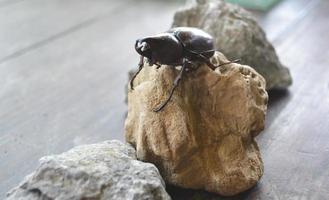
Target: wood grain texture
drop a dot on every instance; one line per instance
(66, 86)
(63, 69)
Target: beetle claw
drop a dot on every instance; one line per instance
(131, 85)
(158, 109)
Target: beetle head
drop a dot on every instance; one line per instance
(143, 48)
(162, 48)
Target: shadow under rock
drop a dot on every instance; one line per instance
(277, 96)
(178, 193)
(278, 100)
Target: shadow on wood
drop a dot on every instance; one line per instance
(178, 193)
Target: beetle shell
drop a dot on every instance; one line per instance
(195, 40)
(175, 45)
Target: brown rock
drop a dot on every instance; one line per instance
(204, 137)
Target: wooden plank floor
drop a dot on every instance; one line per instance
(63, 69)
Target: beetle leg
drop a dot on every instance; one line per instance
(158, 65)
(212, 66)
(140, 67)
(152, 61)
(176, 82)
(206, 60)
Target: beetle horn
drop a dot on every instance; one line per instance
(144, 46)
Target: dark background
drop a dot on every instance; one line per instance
(63, 70)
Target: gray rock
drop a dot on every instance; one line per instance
(237, 35)
(107, 170)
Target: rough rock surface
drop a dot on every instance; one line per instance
(204, 137)
(237, 35)
(107, 170)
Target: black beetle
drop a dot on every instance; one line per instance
(181, 46)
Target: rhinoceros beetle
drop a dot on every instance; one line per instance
(181, 46)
